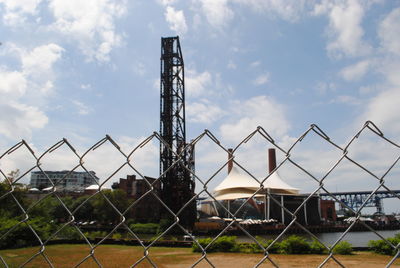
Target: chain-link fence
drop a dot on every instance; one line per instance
(54, 214)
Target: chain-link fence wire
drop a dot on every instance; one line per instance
(24, 218)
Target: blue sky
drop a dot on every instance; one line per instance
(83, 69)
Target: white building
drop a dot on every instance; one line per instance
(70, 181)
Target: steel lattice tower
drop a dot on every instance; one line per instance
(177, 182)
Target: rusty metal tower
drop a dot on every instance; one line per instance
(177, 182)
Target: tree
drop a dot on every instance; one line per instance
(103, 211)
(13, 175)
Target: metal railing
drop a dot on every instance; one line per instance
(10, 193)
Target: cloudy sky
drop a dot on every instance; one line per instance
(84, 69)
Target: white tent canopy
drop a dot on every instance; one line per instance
(92, 187)
(238, 194)
(241, 185)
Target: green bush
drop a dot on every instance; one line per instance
(382, 247)
(221, 244)
(225, 244)
(316, 247)
(69, 232)
(145, 228)
(21, 235)
(343, 248)
(274, 248)
(295, 245)
(249, 248)
(96, 234)
(117, 236)
(203, 243)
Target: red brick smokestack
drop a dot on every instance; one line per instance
(230, 161)
(271, 159)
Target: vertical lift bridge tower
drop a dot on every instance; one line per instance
(175, 158)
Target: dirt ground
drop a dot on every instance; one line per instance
(126, 256)
(360, 259)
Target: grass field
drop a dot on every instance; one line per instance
(125, 256)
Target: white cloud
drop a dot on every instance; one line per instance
(197, 83)
(86, 86)
(33, 82)
(203, 112)
(324, 87)
(139, 68)
(389, 32)
(17, 11)
(255, 63)
(383, 110)
(12, 84)
(176, 20)
(346, 99)
(21, 119)
(91, 23)
(47, 88)
(217, 12)
(356, 71)
(345, 30)
(261, 79)
(104, 160)
(40, 60)
(257, 111)
(167, 2)
(83, 109)
(367, 89)
(285, 9)
(389, 68)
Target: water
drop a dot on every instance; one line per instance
(357, 239)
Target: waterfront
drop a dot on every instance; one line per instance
(357, 239)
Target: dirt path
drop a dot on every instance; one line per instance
(360, 259)
(64, 256)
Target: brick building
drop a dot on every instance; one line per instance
(328, 211)
(147, 209)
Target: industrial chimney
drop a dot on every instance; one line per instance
(230, 160)
(271, 159)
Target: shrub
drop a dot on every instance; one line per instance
(382, 247)
(69, 232)
(295, 245)
(96, 234)
(249, 248)
(225, 244)
(117, 236)
(316, 247)
(274, 248)
(145, 228)
(221, 244)
(21, 235)
(203, 243)
(343, 248)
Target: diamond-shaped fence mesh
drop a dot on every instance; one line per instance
(131, 225)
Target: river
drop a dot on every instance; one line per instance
(357, 239)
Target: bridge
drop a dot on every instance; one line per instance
(356, 199)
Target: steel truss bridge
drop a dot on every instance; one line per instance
(354, 200)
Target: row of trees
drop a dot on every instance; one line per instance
(84, 208)
(22, 218)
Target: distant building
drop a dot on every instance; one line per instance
(65, 180)
(328, 211)
(148, 208)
